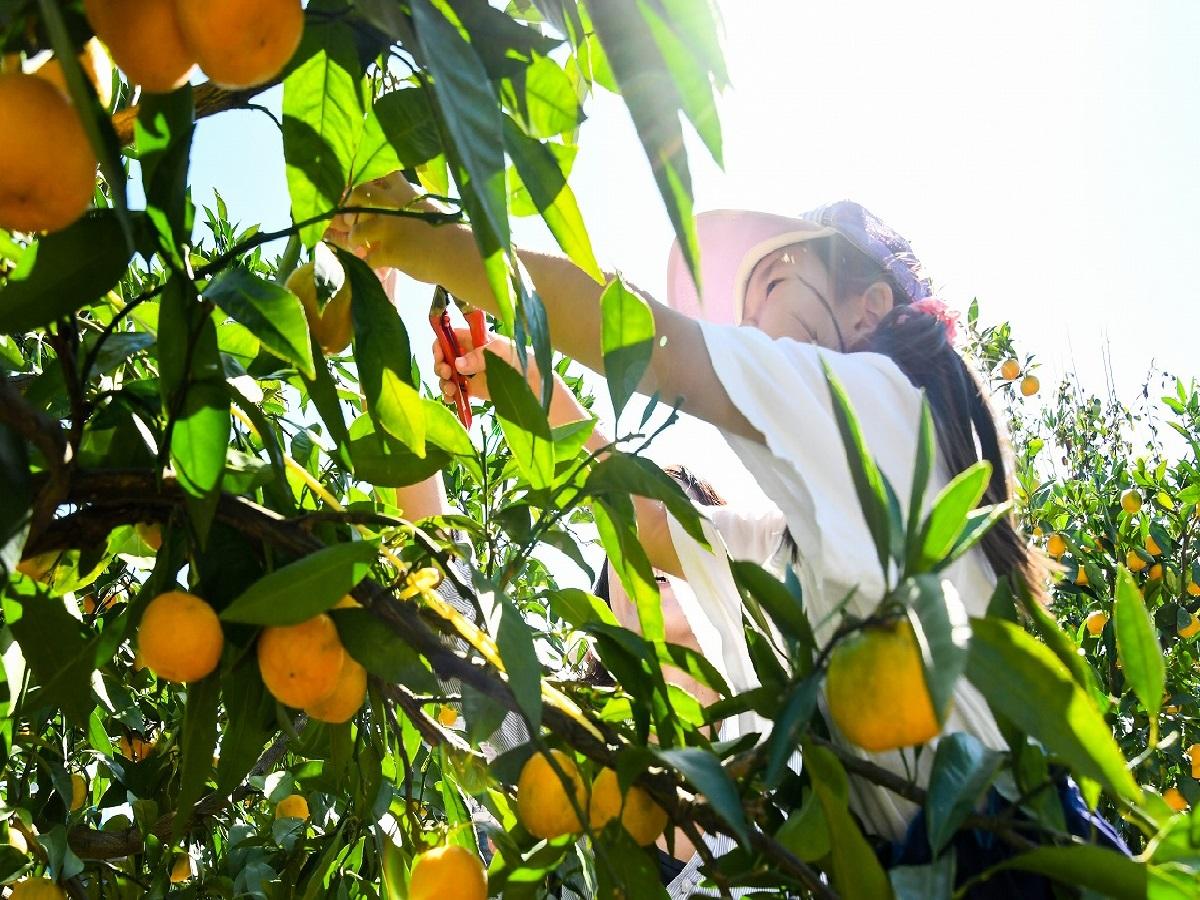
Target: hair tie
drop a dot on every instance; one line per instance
(932, 306)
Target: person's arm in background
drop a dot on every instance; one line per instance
(652, 525)
(423, 499)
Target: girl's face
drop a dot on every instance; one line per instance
(790, 295)
(675, 623)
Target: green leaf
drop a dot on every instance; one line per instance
(1024, 681)
(868, 480)
(57, 653)
(514, 640)
(921, 470)
(622, 474)
(64, 272)
(939, 622)
(703, 769)
(322, 390)
(523, 421)
(409, 126)
(1110, 873)
(381, 652)
(963, 768)
(384, 359)
(272, 313)
(949, 516)
(617, 527)
(785, 609)
(551, 105)
(654, 105)
(626, 340)
(554, 199)
(979, 523)
(854, 868)
(199, 742)
(797, 710)
(805, 833)
(464, 98)
(250, 724)
(1138, 647)
(322, 122)
(302, 589)
(163, 137)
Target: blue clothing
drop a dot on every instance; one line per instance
(978, 851)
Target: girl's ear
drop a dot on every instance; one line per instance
(876, 302)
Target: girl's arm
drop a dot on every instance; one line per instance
(424, 499)
(447, 255)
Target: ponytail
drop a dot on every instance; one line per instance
(962, 418)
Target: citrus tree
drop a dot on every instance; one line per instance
(232, 666)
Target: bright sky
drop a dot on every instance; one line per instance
(1040, 156)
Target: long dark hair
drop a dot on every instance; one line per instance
(966, 429)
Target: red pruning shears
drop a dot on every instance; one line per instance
(439, 319)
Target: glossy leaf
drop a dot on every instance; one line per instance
(272, 313)
(624, 474)
(626, 340)
(1106, 871)
(940, 625)
(514, 640)
(523, 420)
(299, 590)
(384, 359)
(64, 272)
(616, 524)
(322, 123)
(1138, 645)
(854, 868)
(963, 768)
(1024, 681)
(949, 515)
(407, 122)
(199, 742)
(703, 770)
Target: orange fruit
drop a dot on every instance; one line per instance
(1152, 546)
(543, 806)
(300, 663)
(1081, 578)
(1174, 799)
(1156, 572)
(1131, 502)
(447, 715)
(37, 889)
(181, 869)
(1096, 621)
(640, 815)
(347, 697)
(446, 872)
(1193, 753)
(1134, 561)
(96, 66)
(875, 689)
(347, 602)
(1056, 546)
(79, 791)
(293, 806)
(241, 43)
(332, 325)
(90, 605)
(180, 637)
(1191, 628)
(1010, 369)
(1030, 385)
(1193, 588)
(145, 40)
(47, 167)
(134, 749)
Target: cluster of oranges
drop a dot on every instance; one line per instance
(47, 164)
(304, 665)
(1010, 370)
(547, 811)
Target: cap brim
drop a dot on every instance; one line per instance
(731, 243)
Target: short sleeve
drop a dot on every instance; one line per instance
(801, 464)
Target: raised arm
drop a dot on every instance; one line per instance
(447, 255)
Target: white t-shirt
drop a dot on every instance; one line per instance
(780, 388)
